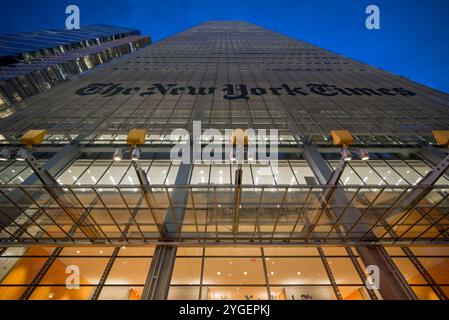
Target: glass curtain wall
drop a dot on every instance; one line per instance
(215, 273)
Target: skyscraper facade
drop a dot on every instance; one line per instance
(32, 62)
(354, 205)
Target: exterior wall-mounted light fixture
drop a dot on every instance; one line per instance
(344, 138)
(30, 138)
(441, 137)
(135, 137)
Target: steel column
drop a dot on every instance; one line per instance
(159, 276)
(392, 284)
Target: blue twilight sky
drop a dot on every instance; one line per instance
(413, 40)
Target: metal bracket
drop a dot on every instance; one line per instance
(238, 196)
(422, 189)
(52, 187)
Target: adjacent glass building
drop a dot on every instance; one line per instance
(178, 230)
(32, 62)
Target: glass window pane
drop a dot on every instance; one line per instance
(130, 177)
(394, 251)
(303, 293)
(183, 251)
(367, 174)
(200, 174)
(262, 174)
(303, 173)
(115, 173)
(171, 177)
(406, 172)
(187, 271)
(86, 251)
(354, 293)
(247, 177)
(158, 172)
(334, 251)
(425, 293)
(283, 174)
(296, 271)
(90, 269)
(408, 270)
(19, 270)
(129, 271)
(430, 251)
(220, 174)
(387, 173)
(62, 293)
(21, 176)
(121, 293)
(233, 271)
(94, 173)
(184, 293)
(72, 174)
(12, 171)
(136, 251)
(438, 268)
(235, 293)
(229, 251)
(290, 251)
(344, 271)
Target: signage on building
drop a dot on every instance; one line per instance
(240, 91)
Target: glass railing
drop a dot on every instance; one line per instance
(228, 213)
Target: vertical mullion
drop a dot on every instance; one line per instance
(330, 274)
(360, 272)
(265, 272)
(202, 273)
(105, 274)
(422, 270)
(40, 275)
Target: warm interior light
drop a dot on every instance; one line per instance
(4, 155)
(22, 154)
(118, 155)
(346, 154)
(135, 155)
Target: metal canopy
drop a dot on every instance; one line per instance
(284, 214)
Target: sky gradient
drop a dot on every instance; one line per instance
(413, 40)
